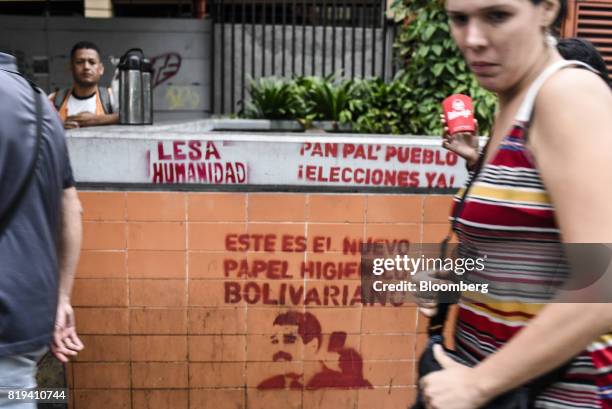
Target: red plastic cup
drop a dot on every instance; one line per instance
(459, 114)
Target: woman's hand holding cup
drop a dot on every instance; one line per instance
(464, 144)
(460, 128)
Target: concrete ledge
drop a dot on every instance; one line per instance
(192, 154)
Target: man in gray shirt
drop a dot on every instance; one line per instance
(39, 239)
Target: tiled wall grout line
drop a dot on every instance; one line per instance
(247, 203)
(129, 304)
(364, 237)
(305, 281)
(187, 221)
(422, 221)
(419, 316)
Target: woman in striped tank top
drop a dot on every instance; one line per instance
(545, 179)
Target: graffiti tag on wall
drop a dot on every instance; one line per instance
(408, 165)
(275, 281)
(193, 162)
(182, 97)
(303, 164)
(284, 283)
(165, 66)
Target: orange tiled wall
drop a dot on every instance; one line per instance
(160, 332)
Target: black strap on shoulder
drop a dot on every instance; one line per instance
(105, 100)
(436, 323)
(16, 202)
(60, 97)
(62, 94)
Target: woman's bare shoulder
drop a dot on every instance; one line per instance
(577, 87)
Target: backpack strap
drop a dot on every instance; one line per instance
(60, 97)
(6, 218)
(105, 100)
(62, 94)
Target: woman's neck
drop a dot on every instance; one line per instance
(508, 97)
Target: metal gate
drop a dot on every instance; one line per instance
(286, 38)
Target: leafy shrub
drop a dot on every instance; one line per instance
(272, 98)
(304, 98)
(370, 105)
(325, 99)
(434, 67)
(387, 107)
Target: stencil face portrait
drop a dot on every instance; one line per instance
(293, 332)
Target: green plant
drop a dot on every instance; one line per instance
(370, 105)
(434, 67)
(327, 100)
(272, 98)
(387, 107)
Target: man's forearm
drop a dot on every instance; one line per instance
(107, 119)
(558, 333)
(70, 241)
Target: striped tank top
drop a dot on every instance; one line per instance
(508, 216)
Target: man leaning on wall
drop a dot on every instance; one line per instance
(40, 235)
(86, 103)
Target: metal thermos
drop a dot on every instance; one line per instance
(147, 92)
(130, 88)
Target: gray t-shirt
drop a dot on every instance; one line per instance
(28, 245)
